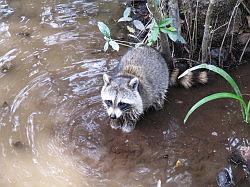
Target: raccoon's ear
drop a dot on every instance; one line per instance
(133, 84)
(106, 79)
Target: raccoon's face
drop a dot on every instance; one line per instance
(120, 96)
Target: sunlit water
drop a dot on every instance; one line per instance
(53, 129)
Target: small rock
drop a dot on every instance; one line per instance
(24, 34)
(6, 67)
(214, 133)
(225, 177)
(18, 144)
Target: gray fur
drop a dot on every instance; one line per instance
(141, 80)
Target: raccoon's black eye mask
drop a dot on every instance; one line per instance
(108, 103)
(124, 106)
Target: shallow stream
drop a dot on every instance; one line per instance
(54, 130)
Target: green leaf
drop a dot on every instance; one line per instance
(172, 35)
(222, 73)
(164, 30)
(149, 43)
(106, 46)
(165, 22)
(158, 3)
(172, 29)
(127, 12)
(181, 39)
(114, 45)
(152, 24)
(218, 70)
(125, 19)
(139, 25)
(247, 113)
(153, 35)
(104, 29)
(221, 95)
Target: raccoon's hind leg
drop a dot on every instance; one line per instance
(116, 123)
(128, 126)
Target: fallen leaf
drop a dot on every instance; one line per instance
(130, 29)
(178, 164)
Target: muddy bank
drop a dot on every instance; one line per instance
(161, 139)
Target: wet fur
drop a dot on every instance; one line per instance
(191, 79)
(147, 65)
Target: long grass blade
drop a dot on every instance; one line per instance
(221, 95)
(222, 73)
(215, 69)
(247, 113)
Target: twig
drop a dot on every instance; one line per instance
(195, 26)
(206, 35)
(188, 29)
(212, 36)
(243, 52)
(245, 6)
(187, 59)
(123, 41)
(213, 31)
(232, 33)
(124, 44)
(228, 26)
(193, 38)
(149, 9)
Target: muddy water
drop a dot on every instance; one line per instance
(54, 131)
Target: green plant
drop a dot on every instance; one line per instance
(107, 36)
(245, 106)
(153, 28)
(126, 15)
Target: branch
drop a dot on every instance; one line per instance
(228, 26)
(206, 34)
(174, 14)
(243, 52)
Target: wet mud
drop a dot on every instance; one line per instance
(54, 130)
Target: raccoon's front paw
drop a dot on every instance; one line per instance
(115, 124)
(128, 127)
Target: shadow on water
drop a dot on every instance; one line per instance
(54, 131)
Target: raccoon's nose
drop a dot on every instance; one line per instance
(113, 116)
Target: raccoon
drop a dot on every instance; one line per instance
(140, 81)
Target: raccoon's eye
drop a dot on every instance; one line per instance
(124, 106)
(108, 103)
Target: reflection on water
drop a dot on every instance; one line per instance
(54, 77)
(53, 129)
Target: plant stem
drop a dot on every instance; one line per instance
(206, 35)
(174, 14)
(121, 41)
(243, 52)
(124, 44)
(228, 27)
